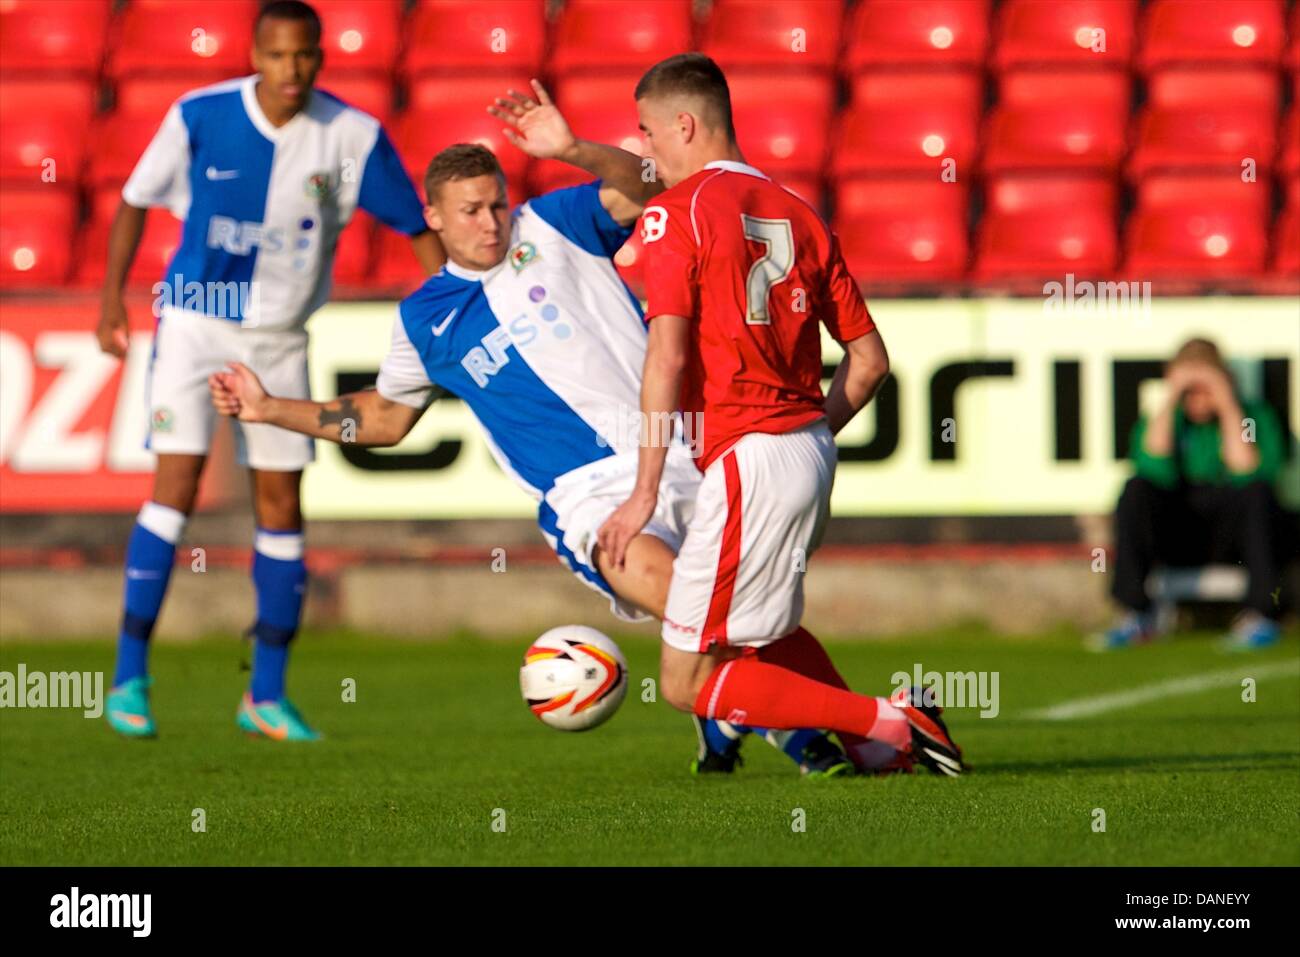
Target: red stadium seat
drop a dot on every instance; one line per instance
(601, 109)
(1198, 227)
(54, 38)
(43, 129)
(1291, 58)
(446, 110)
(1048, 225)
(1074, 33)
(453, 36)
(917, 33)
(597, 35)
(909, 121)
(352, 255)
(1251, 88)
(897, 230)
(1058, 119)
(205, 40)
(1288, 157)
(120, 141)
(547, 175)
(162, 234)
(1210, 31)
(36, 228)
(782, 121)
(1206, 118)
(1286, 237)
(151, 95)
(395, 265)
(802, 34)
(367, 92)
(360, 34)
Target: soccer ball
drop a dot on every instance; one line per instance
(573, 678)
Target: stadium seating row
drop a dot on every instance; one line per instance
(896, 121)
(451, 36)
(894, 231)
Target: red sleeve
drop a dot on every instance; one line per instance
(671, 265)
(843, 310)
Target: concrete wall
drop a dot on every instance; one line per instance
(846, 596)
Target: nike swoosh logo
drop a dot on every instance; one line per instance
(437, 330)
(215, 174)
(134, 573)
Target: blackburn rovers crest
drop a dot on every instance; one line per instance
(522, 255)
(317, 186)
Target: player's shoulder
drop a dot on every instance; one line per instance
(218, 101)
(327, 107)
(223, 88)
(682, 195)
(442, 291)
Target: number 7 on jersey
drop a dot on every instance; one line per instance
(771, 268)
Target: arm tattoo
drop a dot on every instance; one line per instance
(346, 411)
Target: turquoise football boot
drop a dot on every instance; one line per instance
(277, 720)
(1251, 632)
(128, 709)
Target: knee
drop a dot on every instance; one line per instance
(278, 508)
(680, 689)
(677, 692)
(178, 491)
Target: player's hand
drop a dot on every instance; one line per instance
(536, 126)
(237, 391)
(112, 329)
(624, 525)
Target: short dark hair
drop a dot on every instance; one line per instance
(461, 161)
(692, 74)
(290, 10)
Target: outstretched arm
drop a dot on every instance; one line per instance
(359, 418)
(538, 128)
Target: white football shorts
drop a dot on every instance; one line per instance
(760, 514)
(580, 501)
(187, 348)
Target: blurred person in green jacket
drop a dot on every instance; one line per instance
(1202, 493)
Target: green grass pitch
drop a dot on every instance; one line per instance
(415, 770)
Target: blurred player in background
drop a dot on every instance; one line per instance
(739, 274)
(265, 172)
(1202, 493)
(530, 324)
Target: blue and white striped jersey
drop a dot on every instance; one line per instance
(546, 348)
(263, 206)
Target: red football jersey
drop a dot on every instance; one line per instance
(755, 269)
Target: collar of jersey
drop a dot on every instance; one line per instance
(473, 275)
(248, 93)
(731, 166)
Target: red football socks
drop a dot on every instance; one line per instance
(802, 653)
(750, 690)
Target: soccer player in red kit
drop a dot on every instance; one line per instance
(739, 274)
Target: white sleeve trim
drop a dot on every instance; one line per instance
(402, 377)
(161, 176)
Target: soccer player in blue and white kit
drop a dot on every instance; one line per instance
(529, 323)
(265, 171)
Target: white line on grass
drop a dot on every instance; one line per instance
(1100, 704)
